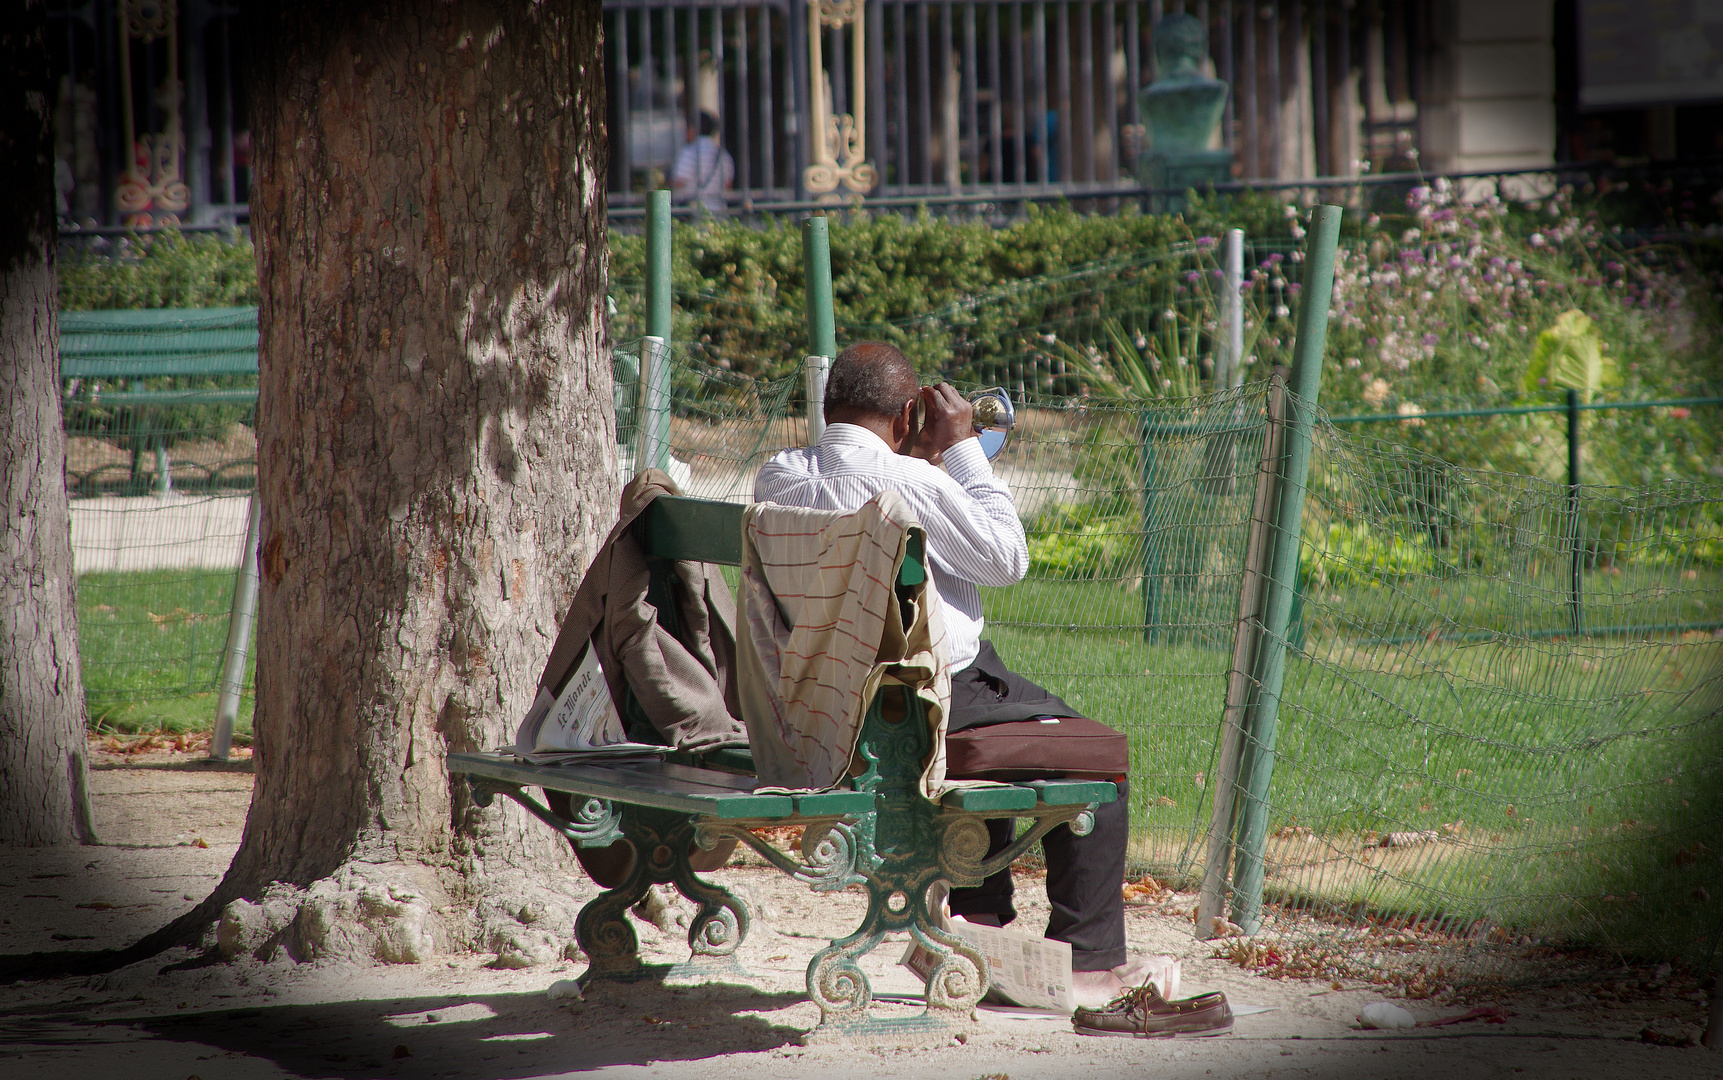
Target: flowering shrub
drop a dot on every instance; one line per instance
(1451, 305)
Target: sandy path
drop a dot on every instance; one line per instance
(177, 1016)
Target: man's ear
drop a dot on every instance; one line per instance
(903, 426)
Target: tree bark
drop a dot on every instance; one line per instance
(435, 434)
(44, 791)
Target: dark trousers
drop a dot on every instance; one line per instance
(1085, 880)
(1085, 874)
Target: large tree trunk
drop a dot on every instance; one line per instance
(44, 794)
(435, 445)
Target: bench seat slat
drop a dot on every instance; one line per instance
(1071, 792)
(991, 798)
(826, 803)
(720, 782)
(634, 785)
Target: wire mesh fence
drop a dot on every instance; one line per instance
(161, 462)
(1463, 778)
(1463, 773)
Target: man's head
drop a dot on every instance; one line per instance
(869, 381)
(708, 123)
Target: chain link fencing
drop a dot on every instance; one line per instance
(1462, 776)
(160, 466)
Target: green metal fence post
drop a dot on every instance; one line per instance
(239, 622)
(658, 264)
(1262, 716)
(822, 327)
(817, 275)
(1576, 527)
(652, 445)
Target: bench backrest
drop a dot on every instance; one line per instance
(158, 342)
(678, 527)
(705, 530)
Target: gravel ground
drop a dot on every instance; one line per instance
(178, 1016)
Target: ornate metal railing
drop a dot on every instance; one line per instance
(822, 100)
(816, 99)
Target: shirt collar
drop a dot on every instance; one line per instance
(856, 436)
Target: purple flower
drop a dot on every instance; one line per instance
(1206, 242)
(1429, 339)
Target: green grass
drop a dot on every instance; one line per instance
(151, 644)
(1578, 782)
(1535, 601)
(1570, 779)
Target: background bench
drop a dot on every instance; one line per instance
(880, 833)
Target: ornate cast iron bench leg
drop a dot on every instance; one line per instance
(660, 840)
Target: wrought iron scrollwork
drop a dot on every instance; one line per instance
(839, 143)
(597, 823)
(830, 847)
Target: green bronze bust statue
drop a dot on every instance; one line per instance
(1181, 110)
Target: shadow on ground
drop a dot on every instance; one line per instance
(494, 1036)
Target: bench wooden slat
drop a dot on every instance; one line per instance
(141, 344)
(1071, 792)
(987, 799)
(679, 527)
(826, 803)
(676, 527)
(639, 785)
(723, 783)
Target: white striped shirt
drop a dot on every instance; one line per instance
(973, 535)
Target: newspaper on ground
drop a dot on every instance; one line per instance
(580, 725)
(1023, 968)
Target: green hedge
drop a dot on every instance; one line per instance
(169, 270)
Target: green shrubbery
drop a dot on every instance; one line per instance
(167, 270)
(1439, 304)
(1084, 542)
(956, 296)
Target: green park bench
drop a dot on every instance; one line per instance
(879, 832)
(125, 346)
(106, 358)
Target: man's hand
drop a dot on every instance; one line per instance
(948, 421)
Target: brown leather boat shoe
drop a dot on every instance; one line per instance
(1145, 1014)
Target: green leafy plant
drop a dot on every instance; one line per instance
(1127, 369)
(1355, 554)
(1084, 542)
(1570, 355)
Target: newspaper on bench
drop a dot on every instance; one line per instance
(579, 725)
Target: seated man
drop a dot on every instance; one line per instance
(973, 538)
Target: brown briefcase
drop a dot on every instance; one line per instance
(1071, 747)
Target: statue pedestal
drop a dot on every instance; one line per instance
(1181, 170)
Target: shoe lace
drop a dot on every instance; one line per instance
(1136, 995)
